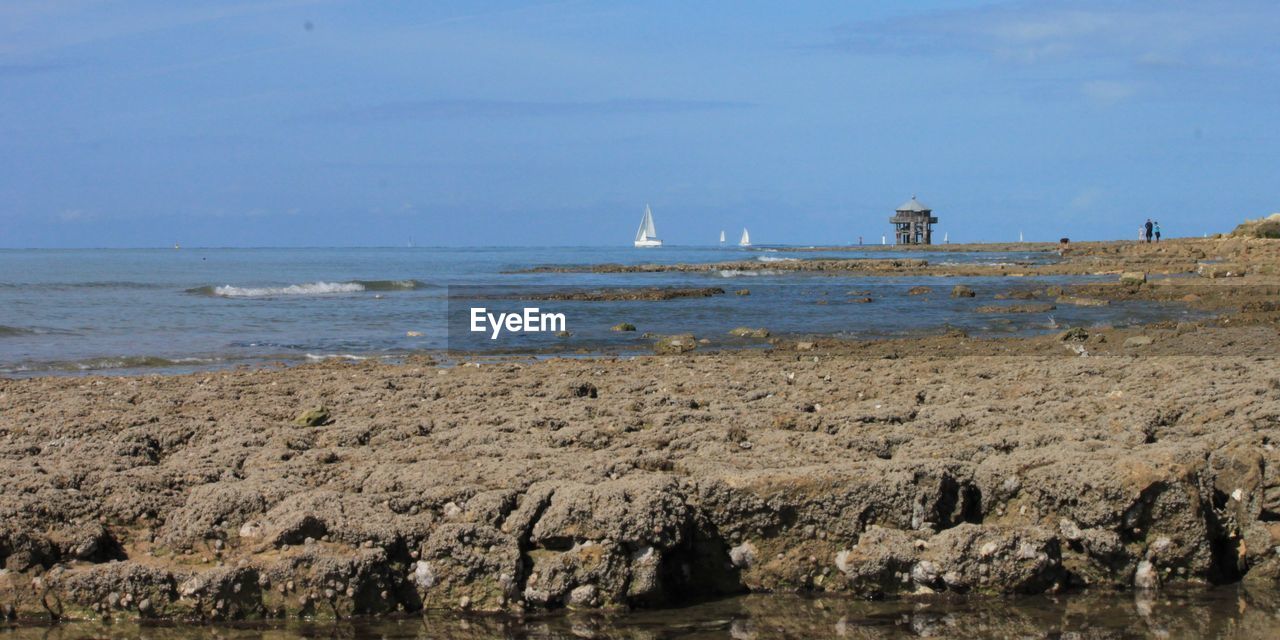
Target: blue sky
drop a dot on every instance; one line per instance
(285, 123)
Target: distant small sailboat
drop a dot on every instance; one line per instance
(745, 241)
(946, 238)
(1020, 236)
(177, 246)
(647, 235)
(722, 236)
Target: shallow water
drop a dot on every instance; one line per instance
(1224, 612)
(177, 310)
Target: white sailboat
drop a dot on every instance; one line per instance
(647, 235)
(722, 236)
(746, 238)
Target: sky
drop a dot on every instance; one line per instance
(335, 123)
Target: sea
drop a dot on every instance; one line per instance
(1219, 612)
(177, 310)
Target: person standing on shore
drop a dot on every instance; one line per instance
(1157, 229)
(1147, 228)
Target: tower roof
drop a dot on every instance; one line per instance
(914, 206)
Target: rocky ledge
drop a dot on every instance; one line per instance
(603, 483)
(627, 294)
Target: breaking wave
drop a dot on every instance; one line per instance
(775, 259)
(321, 357)
(734, 273)
(99, 364)
(307, 289)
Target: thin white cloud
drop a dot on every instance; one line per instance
(1087, 198)
(1108, 92)
(75, 215)
(484, 108)
(1208, 33)
(1101, 52)
(17, 69)
(34, 28)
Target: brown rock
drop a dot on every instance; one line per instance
(669, 345)
(1083, 302)
(1220, 270)
(312, 417)
(1016, 308)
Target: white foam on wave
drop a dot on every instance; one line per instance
(320, 357)
(105, 363)
(309, 289)
(734, 273)
(775, 259)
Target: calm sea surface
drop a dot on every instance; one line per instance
(1224, 612)
(67, 311)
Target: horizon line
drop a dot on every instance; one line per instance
(594, 246)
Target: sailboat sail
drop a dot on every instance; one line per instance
(647, 234)
(722, 236)
(746, 238)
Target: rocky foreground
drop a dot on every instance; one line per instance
(601, 483)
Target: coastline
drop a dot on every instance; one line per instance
(639, 321)
(896, 468)
(1169, 257)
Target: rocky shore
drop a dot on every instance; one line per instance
(932, 465)
(589, 483)
(648, 294)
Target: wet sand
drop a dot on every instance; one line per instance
(1095, 461)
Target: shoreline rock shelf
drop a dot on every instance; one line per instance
(1129, 262)
(627, 294)
(494, 489)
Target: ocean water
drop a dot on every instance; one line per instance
(69, 311)
(1222, 612)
